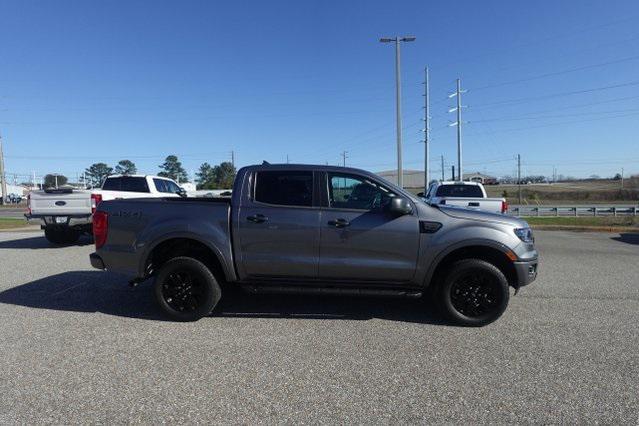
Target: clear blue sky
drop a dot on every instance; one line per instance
(89, 81)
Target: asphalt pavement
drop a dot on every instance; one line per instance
(78, 345)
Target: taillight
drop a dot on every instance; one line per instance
(96, 199)
(100, 228)
(504, 206)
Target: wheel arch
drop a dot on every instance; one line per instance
(188, 245)
(489, 251)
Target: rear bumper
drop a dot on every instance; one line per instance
(96, 261)
(526, 271)
(70, 220)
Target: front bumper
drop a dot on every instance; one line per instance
(526, 271)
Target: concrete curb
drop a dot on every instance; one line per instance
(32, 228)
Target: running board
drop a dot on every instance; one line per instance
(345, 291)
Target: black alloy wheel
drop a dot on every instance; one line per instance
(474, 292)
(186, 290)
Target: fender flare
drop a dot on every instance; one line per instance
(148, 249)
(477, 242)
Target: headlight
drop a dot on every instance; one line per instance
(525, 234)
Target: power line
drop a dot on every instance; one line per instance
(538, 41)
(560, 94)
(625, 98)
(541, 117)
(562, 123)
(552, 74)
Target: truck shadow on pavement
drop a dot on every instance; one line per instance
(95, 291)
(40, 242)
(627, 238)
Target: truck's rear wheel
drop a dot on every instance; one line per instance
(61, 235)
(186, 290)
(474, 292)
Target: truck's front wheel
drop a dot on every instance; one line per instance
(474, 292)
(186, 290)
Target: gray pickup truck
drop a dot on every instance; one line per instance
(315, 230)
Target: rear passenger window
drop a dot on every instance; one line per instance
(462, 191)
(126, 184)
(286, 188)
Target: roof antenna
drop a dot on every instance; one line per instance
(266, 163)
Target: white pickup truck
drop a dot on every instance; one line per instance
(471, 195)
(65, 213)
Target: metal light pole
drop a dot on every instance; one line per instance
(426, 130)
(398, 101)
(3, 178)
(460, 171)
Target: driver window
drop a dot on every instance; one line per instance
(354, 192)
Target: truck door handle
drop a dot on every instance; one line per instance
(339, 223)
(474, 204)
(258, 218)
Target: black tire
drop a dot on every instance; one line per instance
(61, 235)
(186, 290)
(474, 293)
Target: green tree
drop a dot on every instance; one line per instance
(224, 175)
(50, 180)
(205, 177)
(172, 168)
(97, 172)
(126, 167)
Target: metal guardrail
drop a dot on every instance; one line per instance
(575, 211)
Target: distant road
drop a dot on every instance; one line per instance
(12, 212)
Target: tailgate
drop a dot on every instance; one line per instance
(76, 203)
(486, 204)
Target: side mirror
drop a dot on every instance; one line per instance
(181, 192)
(399, 206)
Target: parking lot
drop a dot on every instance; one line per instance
(79, 345)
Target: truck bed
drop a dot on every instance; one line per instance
(137, 225)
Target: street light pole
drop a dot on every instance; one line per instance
(398, 101)
(398, 112)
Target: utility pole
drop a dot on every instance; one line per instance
(622, 178)
(286, 158)
(398, 102)
(443, 168)
(344, 156)
(519, 177)
(452, 171)
(233, 158)
(426, 132)
(56, 181)
(458, 124)
(3, 177)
